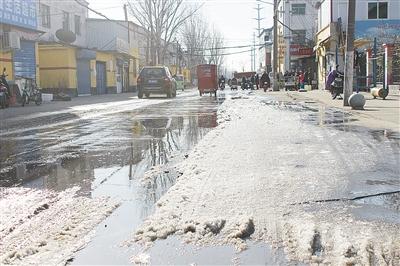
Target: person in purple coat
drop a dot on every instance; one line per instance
(331, 77)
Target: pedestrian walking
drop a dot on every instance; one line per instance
(265, 81)
(257, 80)
(301, 80)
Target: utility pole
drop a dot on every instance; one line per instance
(275, 52)
(349, 59)
(259, 18)
(254, 51)
(251, 58)
(126, 19)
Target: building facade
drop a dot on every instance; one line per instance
(117, 46)
(377, 23)
(18, 35)
(63, 55)
(296, 31)
(265, 50)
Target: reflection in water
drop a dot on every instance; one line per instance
(63, 156)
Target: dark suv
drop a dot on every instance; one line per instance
(156, 79)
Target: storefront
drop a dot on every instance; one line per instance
(18, 35)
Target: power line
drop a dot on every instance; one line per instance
(233, 53)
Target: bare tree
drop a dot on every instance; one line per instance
(162, 19)
(195, 39)
(215, 44)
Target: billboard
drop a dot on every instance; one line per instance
(21, 13)
(300, 50)
(385, 30)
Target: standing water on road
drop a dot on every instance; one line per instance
(106, 156)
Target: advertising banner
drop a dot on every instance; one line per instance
(21, 13)
(385, 30)
(299, 50)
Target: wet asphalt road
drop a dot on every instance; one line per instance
(103, 148)
(57, 150)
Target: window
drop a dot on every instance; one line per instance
(377, 10)
(65, 23)
(45, 15)
(383, 10)
(298, 9)
(299, 36)
(77, 25)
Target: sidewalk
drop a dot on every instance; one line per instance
(378, 113)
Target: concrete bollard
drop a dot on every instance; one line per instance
(357, 101)
(379, 92)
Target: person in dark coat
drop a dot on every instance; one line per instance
(243, 85)
(265, 78)
(257, 80)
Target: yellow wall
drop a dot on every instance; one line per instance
(186, 74)
(134, 67)
(93, 73)
(172, 69)
(6, 61)
(110, 61)
(133, 72)
(57, 67)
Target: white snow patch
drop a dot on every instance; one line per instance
(242, 180)
(44, 227)
(141, 259)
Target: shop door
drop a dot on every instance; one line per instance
(24, 60)
(126, 79)
(101, 77)
(83, 76)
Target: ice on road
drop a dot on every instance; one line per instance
(257, 176)
(41, 227)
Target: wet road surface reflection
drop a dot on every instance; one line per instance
(74, 154)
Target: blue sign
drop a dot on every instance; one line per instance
(21, 13)
(385, 30)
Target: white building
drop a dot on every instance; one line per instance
(378, 19)
(265, 50)
(296, 31)
(63, 15)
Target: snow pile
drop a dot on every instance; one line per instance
(245, 180)
(44, 227)
(141, 259)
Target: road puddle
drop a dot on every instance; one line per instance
(320, 115)
(63, 156)
(173, 252)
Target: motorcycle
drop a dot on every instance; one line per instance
(251, 85)
(4, 91)
(265, 86)
(243, 85)
(222, 85)
(337, 86)
(234, 84)
(30, 92)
